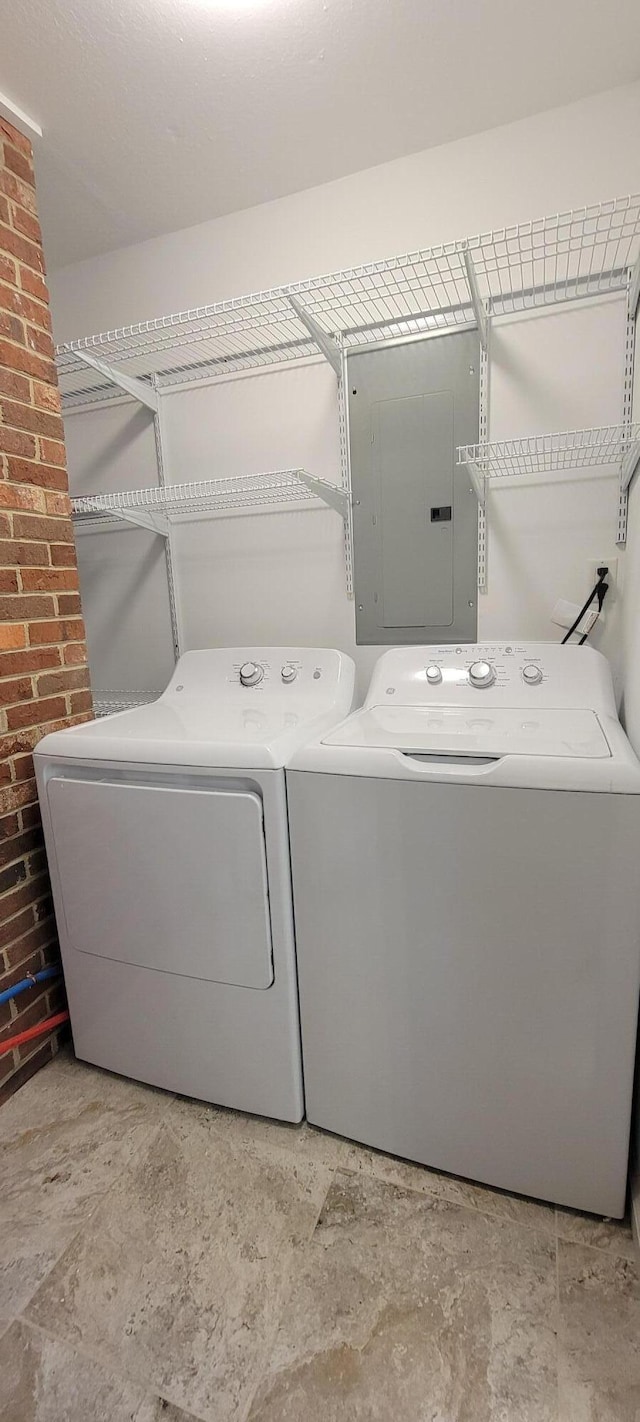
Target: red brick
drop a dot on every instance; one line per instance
(28, 1010)
(18, 191)
(16, 441)
(75, 655)
(8, 580)
(57, 504)
(26, 223)
(14, 136)
(13, 497)
(67, 679)
(80, 701)
(63, 555)
(20, 609)
(5, 526)
(32, 660)
(49, 530)
(22, 766)
(14, 797)
(36, 713)
(36, 285)
(45, 476)
(30, 964)
(24, 306)
(9, 826)
(18, 689)
(30, 815)
(17, 162)
(15, 926)
(27, 253)
(38, 933)
(50, 580)
(18, 358)
(57, 996)
(16, 386)
(27, 417)
(12, 635)
(5, 214)
(34, 555)
(69, 604)
(11, 876)
(37, 863)
(53, 452)
(12, 328)
(8, 269)
(47, 397)
(58, 630)
(19, 742)
(40, 341)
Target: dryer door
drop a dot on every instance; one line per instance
(166, 878)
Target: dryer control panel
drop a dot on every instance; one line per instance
(514, 674)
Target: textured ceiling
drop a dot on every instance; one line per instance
(158, 114)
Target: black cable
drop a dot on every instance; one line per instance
(601, 593)
(598, 592)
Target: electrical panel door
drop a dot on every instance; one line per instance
(415, 514)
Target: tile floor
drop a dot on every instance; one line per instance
(163, 1261)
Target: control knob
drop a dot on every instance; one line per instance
(482, 674)
(288, 673)
(532, 674)
(434, 675)
(251, 674)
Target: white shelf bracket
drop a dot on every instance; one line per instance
(476, 299)
(335, 497)
(138, 389)
(634, 290)
(479, 483)
(330, 348)
(629, 466)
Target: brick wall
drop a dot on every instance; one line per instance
(44, 682)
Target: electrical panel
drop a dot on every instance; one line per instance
(415, 516)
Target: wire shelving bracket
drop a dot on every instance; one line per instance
(584, 252)
(538, 455)
(156, 507)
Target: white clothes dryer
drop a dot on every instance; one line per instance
(467, 901)
(167, 838)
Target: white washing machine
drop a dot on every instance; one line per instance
(467, 900)
(167, 838)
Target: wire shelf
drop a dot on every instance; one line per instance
(550, 453)
(107, 703)
(584, 252)
(241, 492)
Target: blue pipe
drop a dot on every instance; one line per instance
(41, 977)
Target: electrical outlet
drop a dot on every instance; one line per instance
(612, 576)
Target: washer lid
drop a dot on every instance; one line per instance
(465, 731)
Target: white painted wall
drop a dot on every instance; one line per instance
(279, 578)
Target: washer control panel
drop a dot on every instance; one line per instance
(512, 674)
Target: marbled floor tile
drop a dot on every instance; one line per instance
(612, 1235)
(64, 1138)
(599, 1336)
(177, 1275)
(43, 1380)
(405, 1308)
(258, 1134)
(457, 1191)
